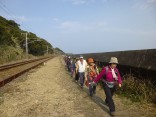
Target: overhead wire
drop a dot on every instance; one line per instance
(12, 15)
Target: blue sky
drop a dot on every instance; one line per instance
(86, 26)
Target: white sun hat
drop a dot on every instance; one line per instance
(81, 57)
(114, 60)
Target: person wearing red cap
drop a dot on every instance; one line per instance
(92, 72)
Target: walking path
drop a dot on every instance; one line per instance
(49, 91)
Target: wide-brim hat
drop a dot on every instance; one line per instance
(90, 60)
(114, 60)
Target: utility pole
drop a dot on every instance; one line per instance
(26, 43)
(54, 51)
(47, 49)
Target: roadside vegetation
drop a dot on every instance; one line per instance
(13, 39)
(138, 90)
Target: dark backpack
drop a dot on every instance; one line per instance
(104, 77)
(109, 84)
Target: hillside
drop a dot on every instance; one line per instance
(13, 42)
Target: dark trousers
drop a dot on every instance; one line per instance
(77, 76)
(109, 94)
(82, 78)
(92, 88)
(68, 66)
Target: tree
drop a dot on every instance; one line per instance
(11, 35)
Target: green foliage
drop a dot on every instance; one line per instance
(8, 32)
(10, 53)
(13, 40)
(58, 51)
(12, 35)
(138, 90)
(5, 37)
(13, 23)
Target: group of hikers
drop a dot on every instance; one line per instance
(86, 72)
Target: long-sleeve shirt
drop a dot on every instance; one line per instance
(92, 70)
(109, 76)
(81, 67)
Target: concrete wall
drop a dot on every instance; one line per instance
(145, 59)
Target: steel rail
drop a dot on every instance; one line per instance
(8, 66)
(17, 74)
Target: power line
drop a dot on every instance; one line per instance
(5, 9)
(11, 14)
(8, 13)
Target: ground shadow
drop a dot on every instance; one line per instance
(96, 99)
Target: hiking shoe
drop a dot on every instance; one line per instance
(94, 92)
(112, 114)
(91, 95)
(106, 103)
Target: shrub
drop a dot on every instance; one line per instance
(138, 89)
(9, 53)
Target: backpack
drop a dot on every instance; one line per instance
(92, 71)
(109, 84)
(104, 77)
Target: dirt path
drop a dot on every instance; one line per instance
(49, 91)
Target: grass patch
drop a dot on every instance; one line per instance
(138, 90)
(10, 54)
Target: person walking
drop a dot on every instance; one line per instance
(69, 63)
(92, 72)
(76, 73)
(81, 66)
(111, 79)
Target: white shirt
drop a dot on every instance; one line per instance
(81, 66)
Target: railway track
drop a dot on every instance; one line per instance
(11, 71)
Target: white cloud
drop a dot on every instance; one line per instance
(77, 2)
(101, 24)
(70, 27)
(80, 2)
(56, 19)
(18, 19)
(151, 1)
(145, 5)
(22, 18)
(130, 31)
(67, 25)
(104, 0)
(77, 27)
